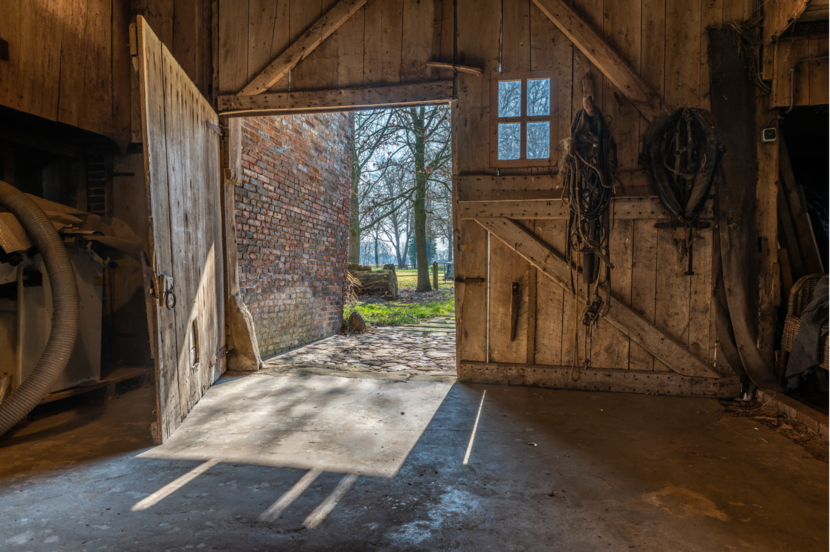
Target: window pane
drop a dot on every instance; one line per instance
(538, 97)
(510, 98)
(538, 140)
(510, 140)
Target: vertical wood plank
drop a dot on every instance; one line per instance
(653, 45)
(623, 32)
(550, 50)
(268, 33)
(73, 54)
(819, 74)
(417, 39)
(372, 44)
(478, 46)
(391, 41)
(165, 344)
(643, 286)
(700, 301)
(233, 31)
(766, 218)
(672, 304)
(516, 36)
(122, 73)
(187, 28)
(506, 268)
(532, 304)
(610, 347)
(550, 299)
(711, 16)
(682, 53)
(592, 12)
(471, 330)
(350, 39)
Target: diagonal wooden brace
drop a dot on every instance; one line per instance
(551, 264)
(604, 57)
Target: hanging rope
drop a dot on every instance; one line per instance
(591, 159)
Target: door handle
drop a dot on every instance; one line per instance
(166, 294)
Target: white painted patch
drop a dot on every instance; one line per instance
(22, 538)
(454, 503)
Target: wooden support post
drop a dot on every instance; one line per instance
(434, 275)
(767, 227)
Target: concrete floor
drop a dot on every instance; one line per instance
(327, 463)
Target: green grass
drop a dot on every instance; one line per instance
(387, 314)
(396, 314)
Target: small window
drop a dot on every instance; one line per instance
(521, 120)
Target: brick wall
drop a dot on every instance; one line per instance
(292, 214)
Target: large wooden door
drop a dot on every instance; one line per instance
(184, 273)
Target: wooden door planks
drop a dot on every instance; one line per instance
(506, 269)
(471, 330)
(182, 167)
(670, 350)
(643, 287)
(550, 306)
(609, 346)
(151, 73)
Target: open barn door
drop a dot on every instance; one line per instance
(183, 277)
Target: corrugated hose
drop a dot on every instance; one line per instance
(65, 299)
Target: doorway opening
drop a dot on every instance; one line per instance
(348, 217)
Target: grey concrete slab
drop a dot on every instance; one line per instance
(329, 463)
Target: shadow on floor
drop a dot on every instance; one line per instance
(293, 461)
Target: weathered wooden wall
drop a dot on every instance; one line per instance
(385, 42)
(389, 42)
(665, 43)
(69, 60)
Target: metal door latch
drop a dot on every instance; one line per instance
(164, 291)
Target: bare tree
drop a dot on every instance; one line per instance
(426, 135)
(376, 141)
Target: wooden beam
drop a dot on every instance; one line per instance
(597, 379)
(303, 46)
(625, 208)
(432, 92)
(485, 187)
(460, 68)
(675, 355)
(779, 15)
(606, 59)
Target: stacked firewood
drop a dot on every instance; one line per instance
(376, 282)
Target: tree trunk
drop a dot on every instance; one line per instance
(354, 220)
(420, 201)
(377, 262)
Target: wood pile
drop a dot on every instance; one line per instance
(798, 254)
(376, 282)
